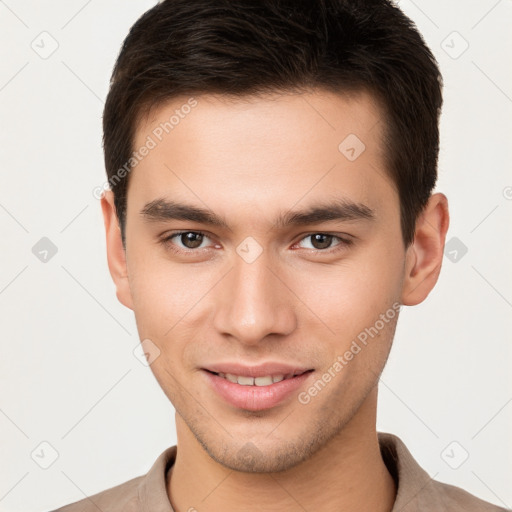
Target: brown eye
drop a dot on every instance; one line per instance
(191, 239)
(184, 242)
(321, 241)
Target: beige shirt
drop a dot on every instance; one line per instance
(417, 492)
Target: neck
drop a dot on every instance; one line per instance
(348, 473)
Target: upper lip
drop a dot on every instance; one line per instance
(260, 370)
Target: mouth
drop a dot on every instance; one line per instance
(256, 393)
(266, 380)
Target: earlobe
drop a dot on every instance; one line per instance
(116, 255)
(425, 255)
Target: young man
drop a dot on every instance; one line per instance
(271, 166)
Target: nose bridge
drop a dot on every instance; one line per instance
(255, 302)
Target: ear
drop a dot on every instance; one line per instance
(425, 255)
(116, 255)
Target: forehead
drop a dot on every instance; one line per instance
(263, 151)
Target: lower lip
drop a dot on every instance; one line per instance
(255, 398)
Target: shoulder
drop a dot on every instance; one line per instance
(457, 499)
(417, 490)
(149, 490)
(121, 498)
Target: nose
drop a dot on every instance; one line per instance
(254, 302)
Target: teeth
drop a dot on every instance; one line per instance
(245, 381)
(254, 381)
(263, 381)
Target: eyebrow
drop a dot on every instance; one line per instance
(340, 209)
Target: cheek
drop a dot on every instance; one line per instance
(340, 298)
(349, 296)
(379, 277)
(162, 292)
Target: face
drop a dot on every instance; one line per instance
(304, 264)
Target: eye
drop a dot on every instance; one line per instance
(323, 241)
(189, 240)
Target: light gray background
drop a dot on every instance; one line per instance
(68, 373)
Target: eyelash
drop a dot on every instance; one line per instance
(166, 241)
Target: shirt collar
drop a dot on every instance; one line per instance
(152, 491)
(415, 488)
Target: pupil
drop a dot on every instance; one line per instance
(189, 239)
(193, 240)
(323, 245)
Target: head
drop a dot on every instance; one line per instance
(294, 145)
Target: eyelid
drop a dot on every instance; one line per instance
(167, 238)
(344, 241)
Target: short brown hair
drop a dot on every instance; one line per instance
(244, 47)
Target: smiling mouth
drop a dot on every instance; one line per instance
(265, 380)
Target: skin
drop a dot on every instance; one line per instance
(248, 160)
